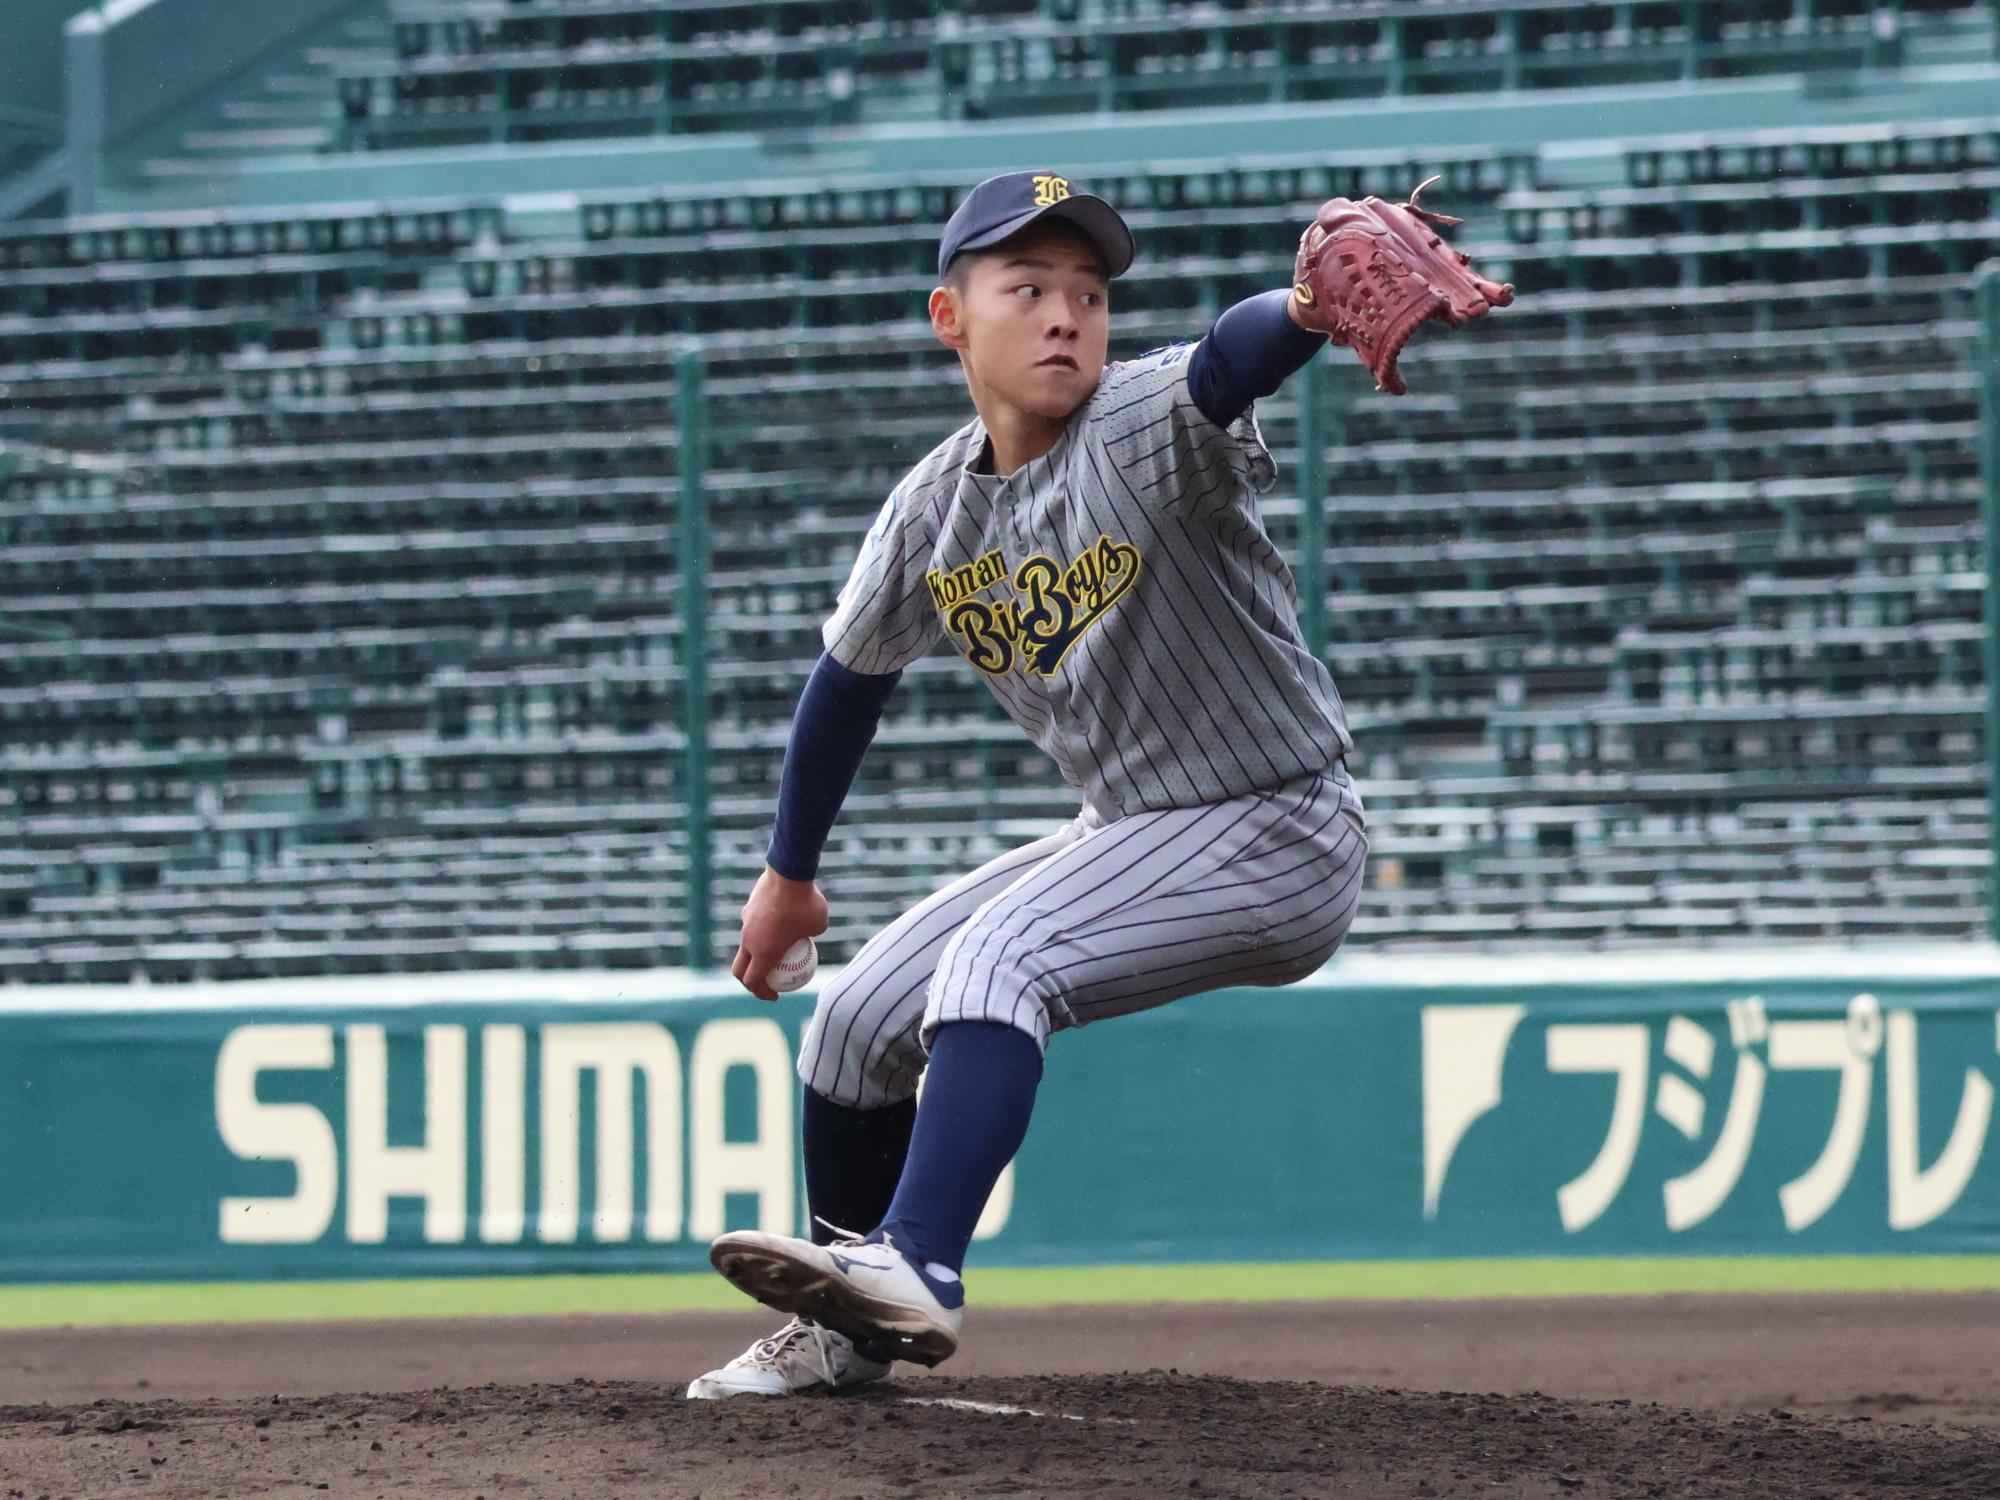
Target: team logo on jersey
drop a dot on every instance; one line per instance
(1052, 607)
(960, 584)
(1050, 190)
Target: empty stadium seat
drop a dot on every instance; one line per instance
(347, 631)
(536, 70)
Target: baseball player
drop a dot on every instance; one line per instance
(1091, 544)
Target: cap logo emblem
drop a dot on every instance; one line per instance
(1050, 190)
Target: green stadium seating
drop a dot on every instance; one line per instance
(539, 70)
(346, 634)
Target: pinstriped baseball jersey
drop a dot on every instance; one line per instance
(1119, 595)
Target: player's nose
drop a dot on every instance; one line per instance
(1065, 318)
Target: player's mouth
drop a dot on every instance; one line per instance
(1059, 362)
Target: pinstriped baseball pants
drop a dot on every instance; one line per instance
(1096, 920)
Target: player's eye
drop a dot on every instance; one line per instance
(1091, 299)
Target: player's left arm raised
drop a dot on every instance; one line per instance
(1369, 274)
(1366, 276)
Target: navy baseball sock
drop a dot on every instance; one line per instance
(853, 1160)
(978, 1094)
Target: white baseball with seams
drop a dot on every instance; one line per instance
(800, 963)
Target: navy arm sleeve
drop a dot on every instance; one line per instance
(1252, 350)
(831, 731)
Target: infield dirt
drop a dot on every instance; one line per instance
(1733, 1396)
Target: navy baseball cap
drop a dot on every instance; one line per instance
(1004, 205)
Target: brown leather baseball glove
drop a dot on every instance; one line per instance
(1369, 273)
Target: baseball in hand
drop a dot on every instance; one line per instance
(799, 964)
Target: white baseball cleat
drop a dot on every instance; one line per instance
(800, 1359)
(869, 1291)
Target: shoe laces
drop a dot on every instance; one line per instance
(840, 1236)
(798, 1331)
(877, 1351)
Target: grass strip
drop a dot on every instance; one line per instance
(130, 1304)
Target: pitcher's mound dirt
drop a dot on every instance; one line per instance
(1794, 1396)
(1105, 1437)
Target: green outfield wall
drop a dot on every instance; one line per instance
(559, 1122)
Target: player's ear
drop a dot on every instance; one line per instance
(947, 317)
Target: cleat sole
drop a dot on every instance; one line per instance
(782, 1283)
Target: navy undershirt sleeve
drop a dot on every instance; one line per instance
(1252, 350)
(831, 730)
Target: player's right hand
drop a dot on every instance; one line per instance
(778, 913)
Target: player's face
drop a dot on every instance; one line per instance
(1037, 321)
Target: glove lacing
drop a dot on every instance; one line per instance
(1424, 213)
